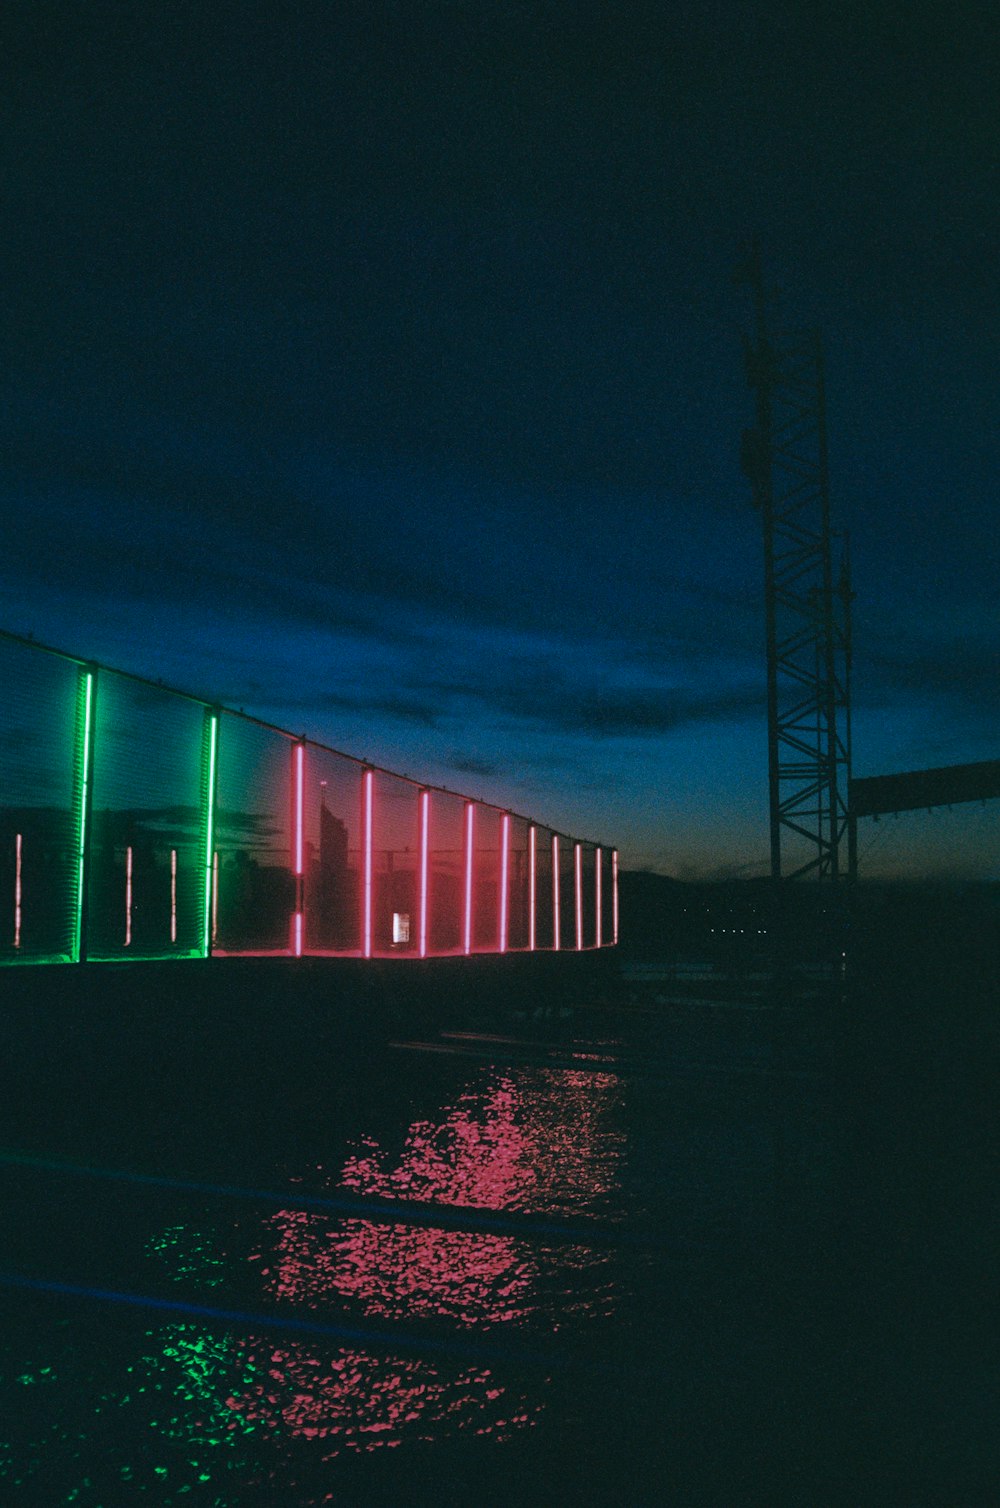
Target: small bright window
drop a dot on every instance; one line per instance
(400, 926)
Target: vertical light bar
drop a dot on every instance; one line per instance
(211, 915)
(504, 878)
(300, 778)
(555, 891)
(367, 783)
(424, 841)
(597, 892)
(578, 893)
(87, 691)
(298, 838)
(128, 897)
(17, 891)
(614, 895)
(173, 895)
(532, 843)
(470, 832)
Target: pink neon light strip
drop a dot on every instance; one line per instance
(578, 893)
(614, 894)
(173, 895)
(532, 840)
(368, 780)
(424, 840)
(469, 834)
(297, 935)
(17, 891)
(555, 891)
(128, 897)
(300, 764)
(597, 889)
(504, 877)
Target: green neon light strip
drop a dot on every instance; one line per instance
(81, 847)
(213, 738)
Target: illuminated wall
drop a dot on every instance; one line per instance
(139, 822)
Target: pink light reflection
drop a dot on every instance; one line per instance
(537, 1139)
(352, 1401)
(475, 1279)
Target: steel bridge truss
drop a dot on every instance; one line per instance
(807, 611)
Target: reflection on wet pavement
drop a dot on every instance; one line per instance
(546, 1140)
(243, 1417)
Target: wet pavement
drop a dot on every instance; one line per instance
(542, 1255)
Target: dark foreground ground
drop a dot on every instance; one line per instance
(502, 1238)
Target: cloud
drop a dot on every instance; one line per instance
(466, 765)
(958, 672)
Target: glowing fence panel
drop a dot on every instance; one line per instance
(544, 893)
(146, 891)
(254, 838)
(332, 852)
(486, 880)
(517, 886)
(588, 897)
(395, 866)
(136, 822)
(40, 736)
(607, 898)
(446, 842)
(567, 894)
(614, 895)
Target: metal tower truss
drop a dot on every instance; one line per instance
(807, 612)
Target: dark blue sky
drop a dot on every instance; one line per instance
(377, 367)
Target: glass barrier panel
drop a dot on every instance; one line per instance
(486, 880)
(517, 885)
(588, 898)
(446, 841)
(607, 899)
(394, 864)
(567, 893)
(332, 858)
(254, 900)
(40, 791)
(543, 888)
(146, 887)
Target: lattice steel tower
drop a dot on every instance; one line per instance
(807, 612)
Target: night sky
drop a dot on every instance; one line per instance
(377, 367)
